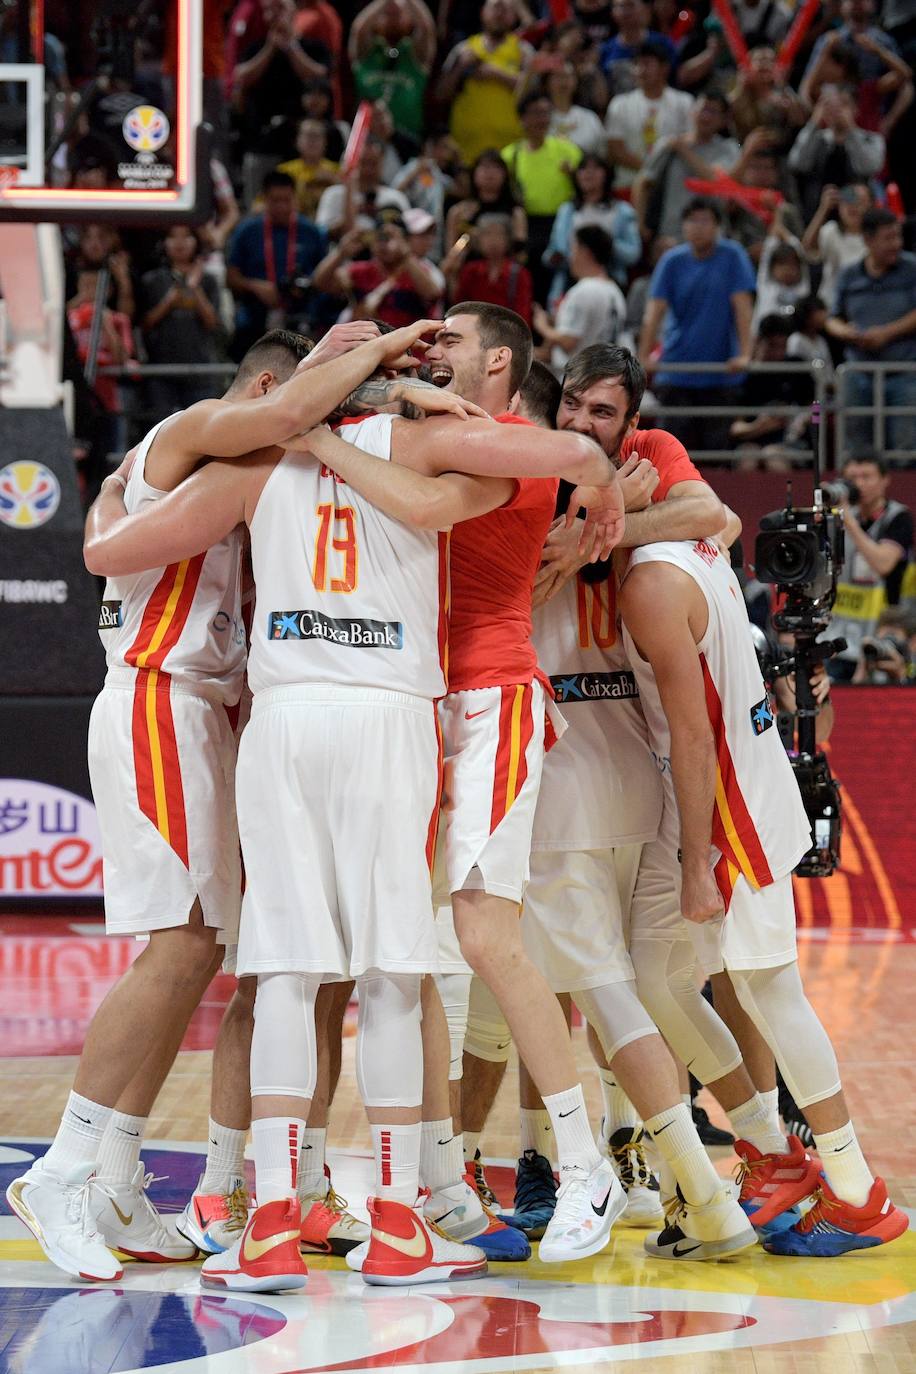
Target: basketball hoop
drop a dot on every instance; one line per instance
(9, 176)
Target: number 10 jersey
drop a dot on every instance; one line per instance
(345, 594)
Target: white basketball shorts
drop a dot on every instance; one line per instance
(337, 794)
(576, 915)
(162, 766)
(494, 741)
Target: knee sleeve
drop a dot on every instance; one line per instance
(775, 1000)
(666, 983)
(389, 1041)
(455, 992)
(616, 1015)
(488, 1036)
(284, 1047)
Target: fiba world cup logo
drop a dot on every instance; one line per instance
(145, 128)
(29, 495)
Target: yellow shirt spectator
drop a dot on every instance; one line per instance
(542, 175)
(483, 112)
(310, 181)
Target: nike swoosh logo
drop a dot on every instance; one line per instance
(308, 1147)
(472, 715)
(564, 1115)
(86, 1120)
(663, 1128)
(447, 1142)
(600, 1211)
(679, 1254)
(504, 1045)
(135, 1134)
(254, 1249)
(840, 1148)
(125, 1221)
(215, 1142)
(414, 1248)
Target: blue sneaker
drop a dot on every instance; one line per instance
(833, 1227)
(535, 1195)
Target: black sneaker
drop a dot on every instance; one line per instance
(627, 1154)
(535, 1195)
(793, 1117)
(708, 1133)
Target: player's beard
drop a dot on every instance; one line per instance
(468, 378)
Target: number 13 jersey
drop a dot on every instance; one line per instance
(345, 594)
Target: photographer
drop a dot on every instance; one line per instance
(889, 655)
(393, 285)
(783, 690)
(879, 541)
(270, 257)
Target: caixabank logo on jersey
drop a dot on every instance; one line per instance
(594, 687)
(49, 842)
(351, 633)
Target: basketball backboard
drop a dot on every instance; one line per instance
(100, 111)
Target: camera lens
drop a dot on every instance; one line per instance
(789, 559)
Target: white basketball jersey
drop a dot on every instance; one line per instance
(344, 594)
(759, 825)
(184, 620)
(600, 786)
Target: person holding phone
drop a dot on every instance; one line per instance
(181, 323)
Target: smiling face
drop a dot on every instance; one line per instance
(457, 360)
(599, 412)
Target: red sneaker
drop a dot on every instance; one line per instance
(405, 1248)
(772, 1185)
(327, 1227)
(265, 1258)
(834, 1227)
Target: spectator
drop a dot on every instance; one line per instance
(491, 193)
(879, 543)
(115, 349)
(480, 78)
(317, 21)
(495, 275)
(381, 126)
(392, 285)
(355, 202)
(181, 323)
(98, 246)
(832, 149)
(889, 655)
(318, 103)
(759, 169)
(593, 310)
(570, 41)
(428, 180)
(808, 341)
(271, 256)
(837, 243)
(777, 439)
(636, 121)
(857, 29)
(881, 100)
(542, 169)
(874, 317)
(763, 24)
(423, 236)
(594, 19)
(311, 171)
(268, 90)
(703, 291)
(782, 273)
(392, 49)
(659, 193)
(619, 53)
(763, 99)
(574, 123)
(593, 205)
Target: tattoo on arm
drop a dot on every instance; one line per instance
(379, 391)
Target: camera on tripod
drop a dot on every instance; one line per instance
(800, 551)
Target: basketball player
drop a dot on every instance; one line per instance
(162, 755)
(742, 828)
(318, 904)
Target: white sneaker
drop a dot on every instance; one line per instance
(354, 1258)
(264, 1257)
(405, 1248)
(457, 1210)
(60, 1211)
(129, 1222)
(587, 1207)
(212, 1221)
(625, 1149)
(718, 1228)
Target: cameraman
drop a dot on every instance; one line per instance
(879, 541)
(888, 655)
(783, 689)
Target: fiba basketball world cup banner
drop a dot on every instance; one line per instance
(49, 644)
(49, 842)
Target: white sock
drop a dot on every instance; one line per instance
(537, 1133)
(471, 1144)
(844, 1164)
(757, 1121)
(119, 1152)
(397, 1162)
(79, 1134)
(441, 1155)
(576, 1148)
(687, 1101)
(277, 1141)
(676, 1139)
(312, 1177)
(225, 1158)
(619, 1111)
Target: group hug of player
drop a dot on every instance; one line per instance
(473, 812)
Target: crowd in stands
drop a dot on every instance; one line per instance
(610, 170)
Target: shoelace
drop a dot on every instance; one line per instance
(745, 1170)
(482, 1187)
(569, 1200)
(632, 1166)
(237, 1207)
(147, 1202)
(819, 1208)
(80, 1206)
